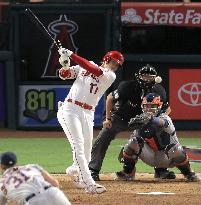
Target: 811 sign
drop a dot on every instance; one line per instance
(40, 99)
(40, 105)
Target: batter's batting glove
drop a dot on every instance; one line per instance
(64, 60)
(65, 51)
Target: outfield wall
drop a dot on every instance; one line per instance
(32, 87)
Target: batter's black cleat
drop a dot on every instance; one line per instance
(95, 175)
(163, 173)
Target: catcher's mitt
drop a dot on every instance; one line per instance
(139, 121)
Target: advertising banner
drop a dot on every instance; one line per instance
(185, 93)
(38, 105)
(177, 14)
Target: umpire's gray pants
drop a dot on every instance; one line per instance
(51, 196)
(103, 141)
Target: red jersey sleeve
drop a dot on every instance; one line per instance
(86, 65)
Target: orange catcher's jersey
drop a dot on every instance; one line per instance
(87, 87)
(19, 182)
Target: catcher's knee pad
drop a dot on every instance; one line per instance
(133, 148)
(176, 153)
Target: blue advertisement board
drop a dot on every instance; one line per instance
(38, 105)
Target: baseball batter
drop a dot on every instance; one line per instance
(155, 143)
(29, 184)
(77, 112)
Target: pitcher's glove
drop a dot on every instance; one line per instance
(139, 121)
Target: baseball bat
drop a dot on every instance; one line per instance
(40, 25)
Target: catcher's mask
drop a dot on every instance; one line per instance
(151, 104)
(115, 56)
(146, 75)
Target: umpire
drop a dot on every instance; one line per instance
(122, 105)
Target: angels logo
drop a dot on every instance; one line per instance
(63, 30)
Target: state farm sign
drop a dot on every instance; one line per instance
(161, 14)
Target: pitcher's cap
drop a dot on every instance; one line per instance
(8, 159)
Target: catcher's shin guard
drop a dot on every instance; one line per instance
(129, 165)
(133, 148)
(120, 156)
(183, 165)
(188, 173)
(131, 152)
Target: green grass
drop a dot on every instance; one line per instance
(54, 154)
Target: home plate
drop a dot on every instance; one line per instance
(156, 193)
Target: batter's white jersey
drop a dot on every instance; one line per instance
(87, 87)
(77, 121)
(19, 182)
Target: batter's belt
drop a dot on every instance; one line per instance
(81, 104)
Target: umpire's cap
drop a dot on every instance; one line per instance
(8, 159)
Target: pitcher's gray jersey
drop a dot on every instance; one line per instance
(19, 182)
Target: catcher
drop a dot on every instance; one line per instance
(154, 141)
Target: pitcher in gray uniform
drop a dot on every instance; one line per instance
(155, 143)
(28, 185)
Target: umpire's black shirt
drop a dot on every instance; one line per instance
(128, 98)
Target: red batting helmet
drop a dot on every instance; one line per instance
(114, 55)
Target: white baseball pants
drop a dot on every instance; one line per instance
(77, 124)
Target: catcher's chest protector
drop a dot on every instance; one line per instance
(162, 136)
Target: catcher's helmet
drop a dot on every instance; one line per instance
(152, 103)
(114, 55)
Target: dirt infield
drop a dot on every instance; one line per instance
(127, 193)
